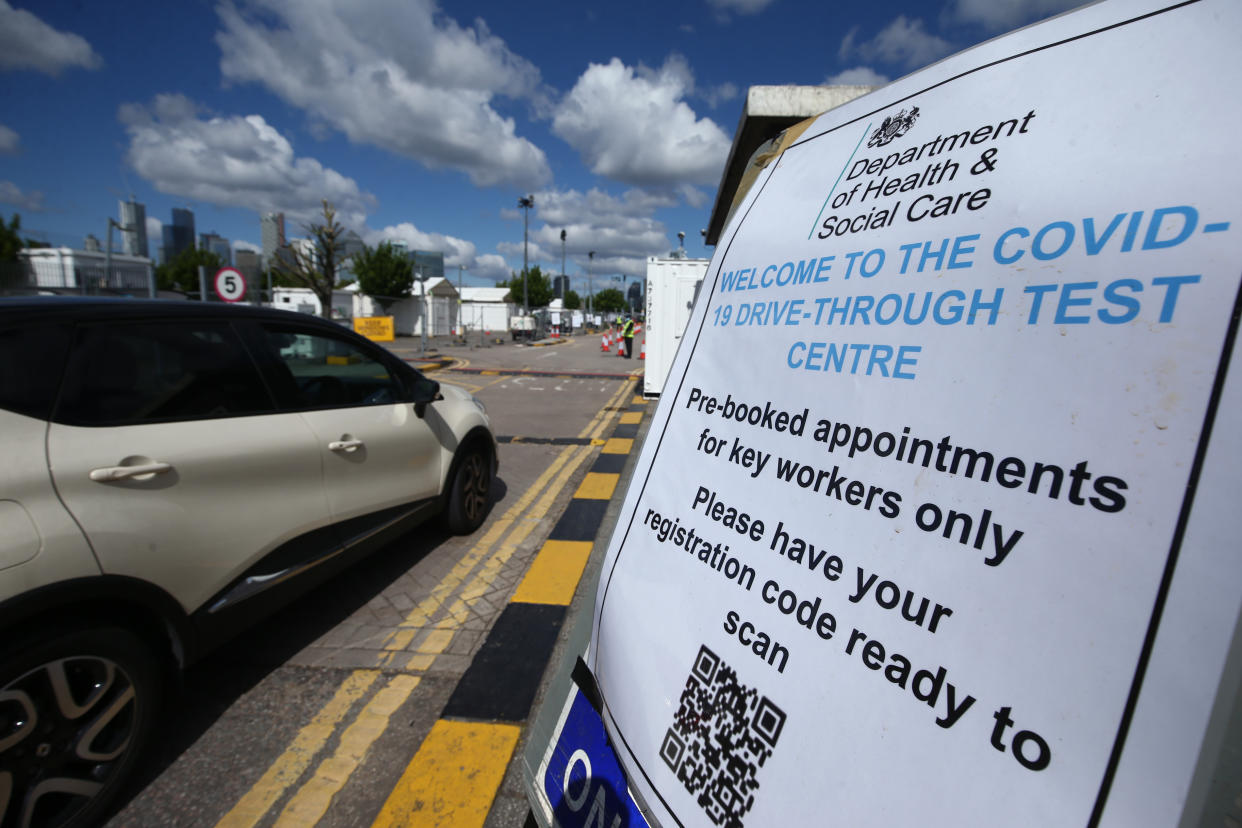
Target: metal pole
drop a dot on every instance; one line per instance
(422, 286)
(562, 291)
(525, 204)
(590, 286)
(108, 255)
(202, 283)
(461, 323)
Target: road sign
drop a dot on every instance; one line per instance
(580, 782)
(230, 284)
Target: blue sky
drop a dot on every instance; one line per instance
(427, 122)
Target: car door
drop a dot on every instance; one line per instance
(378, 454)
(167, 448)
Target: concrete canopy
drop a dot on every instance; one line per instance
(767, 112)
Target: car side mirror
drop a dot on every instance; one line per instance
(426, 391)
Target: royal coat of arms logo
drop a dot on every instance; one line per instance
(894, 126)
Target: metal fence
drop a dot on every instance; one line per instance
(71, 275)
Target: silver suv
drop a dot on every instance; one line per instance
(173, 471)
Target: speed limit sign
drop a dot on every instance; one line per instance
(230, 285)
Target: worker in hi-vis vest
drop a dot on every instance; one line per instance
(627, 330)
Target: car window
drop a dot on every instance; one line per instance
(128, 373)
(328, 371)
(32, 358)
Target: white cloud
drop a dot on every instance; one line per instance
(456, 251)
(9, 141)
(716, 95)
(26, 42)
(739, 6)
(1003, 15)
(238, 161)
(623, 231)
(238, 244)
(904, 42)
(858, 76)
(155, 235)
(397, 74)
(10, 193)
(633, 126)
(491, 266)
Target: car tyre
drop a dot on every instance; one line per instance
(76, 711)
(470, 492)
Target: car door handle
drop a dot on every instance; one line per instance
(345, 445)
(110, 473)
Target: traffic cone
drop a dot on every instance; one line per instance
(642, 354)
(603, 343)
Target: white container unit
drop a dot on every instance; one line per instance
(672, 285)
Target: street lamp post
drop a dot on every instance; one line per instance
(461, 325)
(525, 204)
(562, 292)
(590, 285)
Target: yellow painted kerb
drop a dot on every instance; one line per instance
(631, 418)
(553, 575)
(453, 778)
(618, 445)
(597, 486)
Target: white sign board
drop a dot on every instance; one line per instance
(936, 520)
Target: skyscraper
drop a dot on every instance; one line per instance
(217, 244)
(271, 235)
(134, 240)
(179, 235)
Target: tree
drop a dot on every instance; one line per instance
(10, 240)
(609, 300)
(384, 273)
(572, 300)
(540, 288)
(314, 266)
(182, 272)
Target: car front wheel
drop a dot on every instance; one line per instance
(470, 492)
(76, 709)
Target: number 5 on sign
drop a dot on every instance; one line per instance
(230, 285)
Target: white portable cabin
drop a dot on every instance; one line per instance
(672, 285)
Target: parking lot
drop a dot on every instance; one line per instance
(336, 710)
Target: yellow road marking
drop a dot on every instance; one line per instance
(598, 486)
(554, 574)
(631, 418)
(489, 373)
(453, 778)
(618, 445)
(297, 757)
(638, 400)
(436, 642)
(311, 801)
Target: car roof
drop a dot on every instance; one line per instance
(80, 308)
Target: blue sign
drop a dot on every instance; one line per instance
(583, 782)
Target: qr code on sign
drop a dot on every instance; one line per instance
(722, 734)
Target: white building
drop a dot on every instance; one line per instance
(438, 310)
(486, 309)
(64, 269)
(304, 300)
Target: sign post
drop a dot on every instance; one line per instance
(229, 284)
(936, 520)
